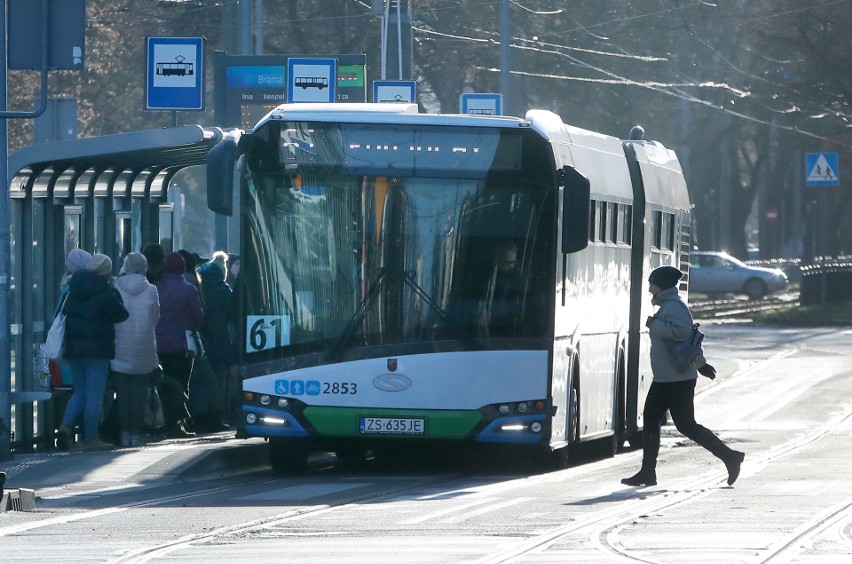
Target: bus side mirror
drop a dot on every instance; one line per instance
(220, 176)
(575, 210)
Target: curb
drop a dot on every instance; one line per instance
(226, 460)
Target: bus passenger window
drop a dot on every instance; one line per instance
(628, 225)
(657, 228)
(604, 219)
(614, 222)
(593, 229)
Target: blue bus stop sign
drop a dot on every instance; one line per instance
(822, 169)
(175, 73)
(481, 104)
(311, 80)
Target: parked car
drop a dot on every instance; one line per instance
(720, 273)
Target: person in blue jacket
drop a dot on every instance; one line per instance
(673, 389)
(92, 309)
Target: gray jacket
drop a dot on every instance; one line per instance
(672, 322)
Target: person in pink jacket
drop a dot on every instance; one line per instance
(135, 346)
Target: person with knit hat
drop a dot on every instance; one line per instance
(218, 344)
(92, 309)
(155, 254)
(76, 260)
(673, 389)
(180, 311)
(135, 347)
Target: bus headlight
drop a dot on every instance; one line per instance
(251, 418)
(523, 407)
(265, 399)
(535, 427)
(283, 403)
(504, 409)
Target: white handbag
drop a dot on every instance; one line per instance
(194, 346)
(55, 340)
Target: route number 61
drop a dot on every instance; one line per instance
(264, 332)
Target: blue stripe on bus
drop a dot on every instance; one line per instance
(292, 429)
(493, 434)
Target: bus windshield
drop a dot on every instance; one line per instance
(358, 237)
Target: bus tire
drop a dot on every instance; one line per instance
(288, 456)
(574, 407)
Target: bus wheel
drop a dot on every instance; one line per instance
(574, 406)
(287, 456)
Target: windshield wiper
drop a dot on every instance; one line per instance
(408, 278)
(336, 352)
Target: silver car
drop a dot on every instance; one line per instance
(720, 273)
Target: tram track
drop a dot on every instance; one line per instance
(606, 528)
(722, 308)
(606, 536)
(148, 553)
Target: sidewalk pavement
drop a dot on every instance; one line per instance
(60, 474)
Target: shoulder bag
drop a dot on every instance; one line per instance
(55, 341)
(684, 353)
(194, 345)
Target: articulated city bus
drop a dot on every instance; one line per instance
(423, 279)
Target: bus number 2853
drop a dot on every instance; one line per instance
(339, 388)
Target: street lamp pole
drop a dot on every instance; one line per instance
(506, 55)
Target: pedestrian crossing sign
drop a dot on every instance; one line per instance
(822, 169)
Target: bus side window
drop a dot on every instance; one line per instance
(604, 219)
(593, 229)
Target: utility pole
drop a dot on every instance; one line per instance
(397, 40)
(506, 57)
(5, 266)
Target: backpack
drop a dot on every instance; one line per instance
(684, 353)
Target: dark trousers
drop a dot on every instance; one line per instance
(676, 397)
(178, 366)
(131, 393)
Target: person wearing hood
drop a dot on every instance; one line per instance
(180, 311)
(673, 389)
(76, 260)
(92, 308)
(135, 346)
(216, 334)
(155, 254)
(234, 263)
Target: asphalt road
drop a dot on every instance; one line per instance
(783, 396)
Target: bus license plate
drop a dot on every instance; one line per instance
(391, 426)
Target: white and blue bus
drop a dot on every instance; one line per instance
(370, 237)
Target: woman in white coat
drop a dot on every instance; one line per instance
(135, 346)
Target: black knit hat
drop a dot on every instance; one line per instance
(665, 277)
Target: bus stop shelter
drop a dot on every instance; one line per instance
(105, 194)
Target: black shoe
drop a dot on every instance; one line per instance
(179, 433)
(63, 437)
(733, 464)
(641, 478)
